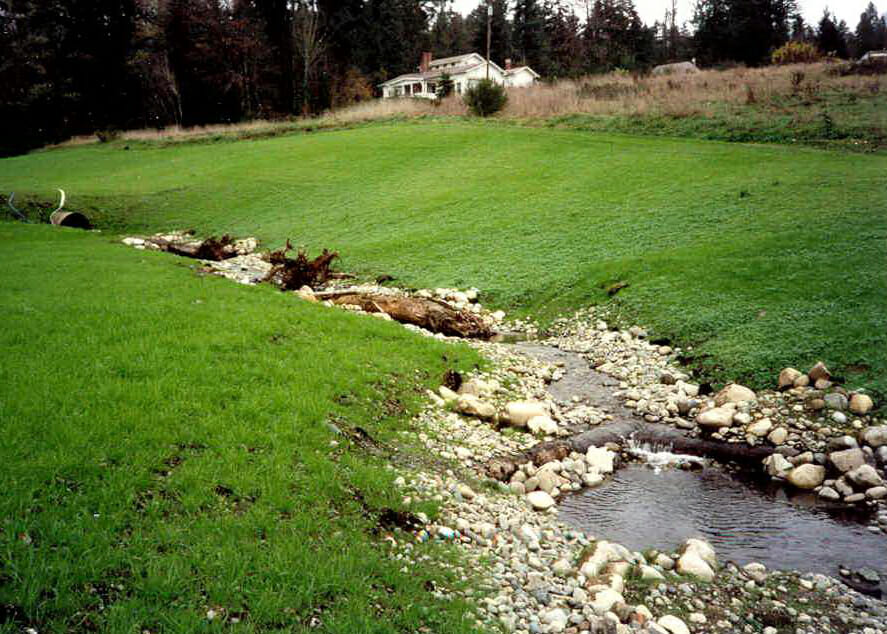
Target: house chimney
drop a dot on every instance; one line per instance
(507, 63)
(425, 65)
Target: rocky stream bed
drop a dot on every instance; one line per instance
(594, 487)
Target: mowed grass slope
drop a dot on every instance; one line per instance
(757, 256)
(165, 450)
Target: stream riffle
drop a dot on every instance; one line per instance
(743, 518)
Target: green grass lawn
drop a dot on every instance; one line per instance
(758, 256)
(165, 450)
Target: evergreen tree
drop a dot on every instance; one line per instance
(564, 33)
(615, 37)
(500, 28)
(741, 30)
(530, 37)
(870, 31)
(832, 36)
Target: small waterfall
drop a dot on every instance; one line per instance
(659, 455)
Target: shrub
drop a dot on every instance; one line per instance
(486, 98)
(106, 136)
(445, 86)
(796, 53)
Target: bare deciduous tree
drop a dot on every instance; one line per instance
(309, 43)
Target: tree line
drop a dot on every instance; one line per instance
(78, 66)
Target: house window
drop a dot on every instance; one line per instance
(458, 87)
(406, 90)
(417, 88)
(432, 88)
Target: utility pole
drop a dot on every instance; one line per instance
(489, 33)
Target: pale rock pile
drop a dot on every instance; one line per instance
(855, 463)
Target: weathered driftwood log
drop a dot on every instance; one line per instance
(426, 313)
(679, 443)
(503, 467)
(212, 248)
(291, 274)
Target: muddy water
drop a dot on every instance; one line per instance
(744, 519)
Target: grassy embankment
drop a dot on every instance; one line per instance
(759, 257)
(166, 451)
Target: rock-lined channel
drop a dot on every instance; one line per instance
(642, 508)
(506, 446)
(744, 518)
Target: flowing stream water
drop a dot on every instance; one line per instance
(642, 507)
(657, 505)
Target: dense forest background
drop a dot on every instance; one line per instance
(72, 67)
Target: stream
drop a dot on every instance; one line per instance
(744, 518)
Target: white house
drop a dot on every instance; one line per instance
(878, 57)
(464, 71)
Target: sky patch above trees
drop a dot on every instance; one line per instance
(651, 10)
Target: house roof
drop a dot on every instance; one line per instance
(520, 68)
(436, 72)
(452, 60)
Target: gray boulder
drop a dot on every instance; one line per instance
(846, 460)
(679, 68)
(865, 477)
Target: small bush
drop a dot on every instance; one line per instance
(796, 53)
(106, 136)
(486, 98)
(445, 86)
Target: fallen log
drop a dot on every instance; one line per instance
(421, 312)
(740, 453)
(503, 467)
(212, 248)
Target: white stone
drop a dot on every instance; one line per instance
(697, 617)
(605, 600)
(703, 549)
(690, 563)
(756, 571)
(562, 567)
(519, 413)
(734, 393)
(448, 395)
(777, 465)
(542, 425)
(673, 624)
(778, 436)
(875, 436)
(600, 459)
(472, 406)
(556, 619)
(715, 418)
(760, 428)
(865, 476)
(806, 476)
(540, 500)
(650, 573)
(664, 561)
